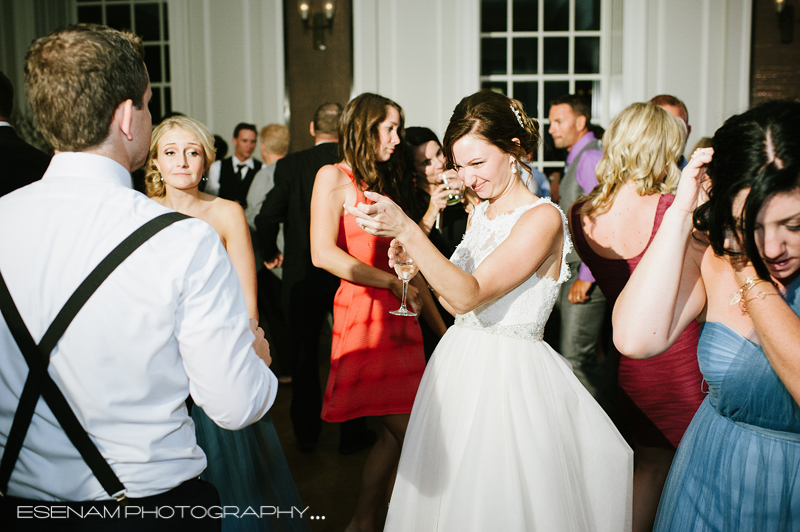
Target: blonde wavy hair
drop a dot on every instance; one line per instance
(642, 145)
(154, 186)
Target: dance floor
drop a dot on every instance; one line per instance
(327, 481)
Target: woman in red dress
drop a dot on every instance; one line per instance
(377, 359)
(612, 227)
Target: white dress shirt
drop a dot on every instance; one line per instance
(212, 186)
(169, 321)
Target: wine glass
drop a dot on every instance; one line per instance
(453, 198)
(406, 269)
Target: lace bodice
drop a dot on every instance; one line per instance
(522, 312)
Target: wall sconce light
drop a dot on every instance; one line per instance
(319, 21)
(785, 21)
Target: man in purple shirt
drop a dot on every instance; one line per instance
(580, 304)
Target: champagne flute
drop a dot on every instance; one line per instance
(406, 269)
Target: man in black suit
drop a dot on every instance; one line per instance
(22, 163)
(307, 291)
(231, 178)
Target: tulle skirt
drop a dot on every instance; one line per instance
(250, 472)
(503, 436)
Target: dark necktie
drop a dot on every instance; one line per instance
(241, 169)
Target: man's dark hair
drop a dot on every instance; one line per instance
(668, 99)
(6, 96)
(326, 118)
(579, 104)
(243, 125)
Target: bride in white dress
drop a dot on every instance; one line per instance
(502, 435)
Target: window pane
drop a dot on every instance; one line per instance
(147, 24)
(590, 89)
(587, 15)
(167, 101)
(90, 14)
(166, 64)
(119, 17)
(493, 56)
(556, 55)
(556, 15)
(553, 90)
(524, 57)
(587, 55)
(526, 15)
(155, 105)
(493, 15)
(496, 86)
(152, 60)
(528, 93)
(165, 18)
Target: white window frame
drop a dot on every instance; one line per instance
(599, 102)
(161, 43)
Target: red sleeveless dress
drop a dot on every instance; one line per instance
(377, 359)
(659, 395)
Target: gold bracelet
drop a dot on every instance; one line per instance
(762, 295)
(749, 283)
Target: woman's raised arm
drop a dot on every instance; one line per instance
(665, 292)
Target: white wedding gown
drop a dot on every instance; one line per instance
(502, 436)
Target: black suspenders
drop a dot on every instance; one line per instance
(39, 383)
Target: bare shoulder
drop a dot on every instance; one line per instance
(544, 217)
(539, 224)
(225, 216)
(331, 176)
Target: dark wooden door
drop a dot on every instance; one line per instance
(314, 76)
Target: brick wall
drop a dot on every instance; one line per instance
(775, 66)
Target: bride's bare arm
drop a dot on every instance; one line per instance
(536, 239)
(331, 189)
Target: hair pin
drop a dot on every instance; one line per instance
(518, 115)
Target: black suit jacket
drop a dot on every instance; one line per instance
(22, 163)
(289, 202)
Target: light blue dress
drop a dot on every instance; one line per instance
(738, 465)
(249, 470)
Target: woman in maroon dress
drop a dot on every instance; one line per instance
(612, 227)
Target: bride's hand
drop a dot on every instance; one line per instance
(694, 183)
(382, 218)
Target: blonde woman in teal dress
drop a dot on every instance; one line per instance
(247, 466)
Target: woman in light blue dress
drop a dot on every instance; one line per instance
(732, 259)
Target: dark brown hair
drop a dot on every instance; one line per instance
(75, 79)
(495, 118)
(359, 140)
(757, 150)
(578, 104)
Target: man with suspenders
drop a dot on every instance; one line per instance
(114, 311)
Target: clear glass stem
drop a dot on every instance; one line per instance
(405, 289)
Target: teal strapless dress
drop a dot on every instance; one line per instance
(738, 465)
(249, 469)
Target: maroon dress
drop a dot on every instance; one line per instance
(659, 395)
